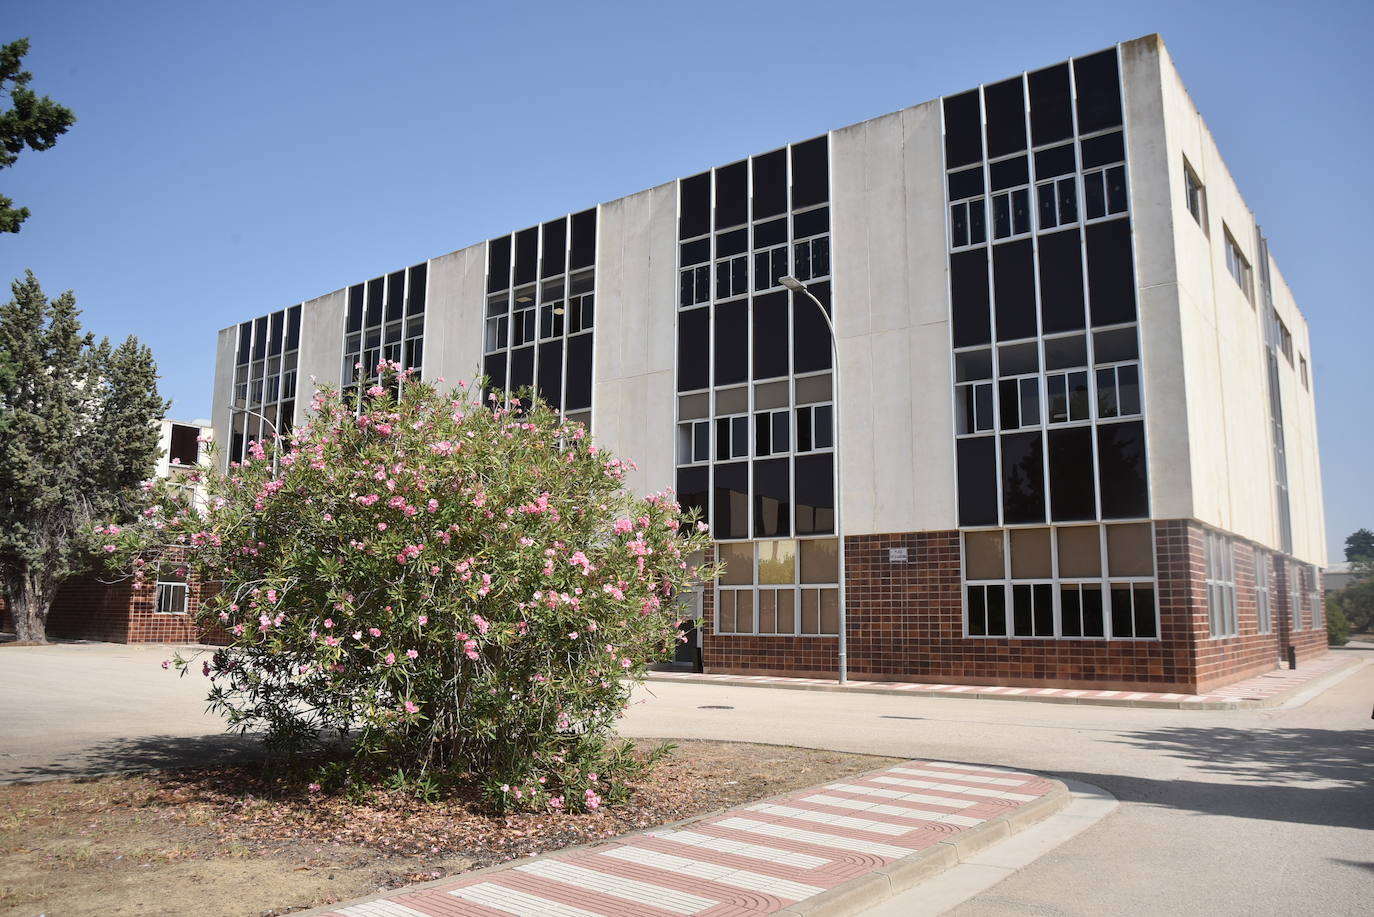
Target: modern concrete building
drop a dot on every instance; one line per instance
(1073, 404)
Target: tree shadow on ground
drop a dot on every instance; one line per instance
(1311, 776)
(146, 753)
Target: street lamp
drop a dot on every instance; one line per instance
(796, 286)
(277, 439)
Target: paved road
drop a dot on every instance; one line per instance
(1243, 812)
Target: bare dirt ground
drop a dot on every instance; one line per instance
(224, 842)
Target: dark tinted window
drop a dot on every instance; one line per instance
(815, 486)
(692, 484)
(1006, 107)
(810, 173)
(1050, 110)
(1013, 278)
(579, 390)
(185, 450)
(521, 368)
(1061, 282)
(732, 243)
(1099, 95)
(293, 328)
(731, 501)
(275, 335)
(694, 201)
(1103, 150)
(693, 349)
(526, 252)
(963, 129)
(1009, 173)
(395, 295)
(978, 490)
(811, 223)
(554, 260)
(770, 335)
(584, 238)
(375, 289)
(1057, 160)
(498, 264)
(551, 372)
(1023, 478)
(772, 498)
(697, 252)
(1121, 466)
(246, 334)
(355, 308)
(770, 233)
(415, 296)
(810, 336)
(732, 188)
(968, 183)
(770, 184)
(732, 343)
(1071, 475)
(968, 284)
(494, 368)
(1111, 279)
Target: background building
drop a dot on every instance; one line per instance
(1077, 422)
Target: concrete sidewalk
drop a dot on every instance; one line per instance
(830, 850)
(1267, 690)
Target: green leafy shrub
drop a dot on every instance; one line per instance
(1337, 624)
(464, 591)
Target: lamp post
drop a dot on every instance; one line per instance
(796, 286)
(276, 438)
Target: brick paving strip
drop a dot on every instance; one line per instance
(829, 850)
(1266, 690)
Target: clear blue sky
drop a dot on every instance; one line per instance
(235, 158)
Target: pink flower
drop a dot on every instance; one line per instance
(331, 641)
(109, 549)
(314, 787)
(432, 505)
(328, 623)
(424, 619)
(411, 708)
(381, 526)
(390, 658)
(166, 663)
(374, 631)
(482, 625)
(412, 654)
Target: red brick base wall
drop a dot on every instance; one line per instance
(906, 624)
(115, 612)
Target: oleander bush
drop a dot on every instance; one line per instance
(432, 589)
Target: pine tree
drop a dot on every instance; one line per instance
(80, 437)
(32, 121)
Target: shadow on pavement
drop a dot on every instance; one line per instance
(1311, 776)
(146, 753)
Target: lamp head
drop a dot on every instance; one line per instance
(793, 284)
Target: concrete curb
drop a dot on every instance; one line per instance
(1275, 700)
(849, 898)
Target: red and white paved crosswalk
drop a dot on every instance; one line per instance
(1249, 692)
(751, 860)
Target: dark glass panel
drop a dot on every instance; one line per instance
(1071, 612)
(415, 296)
(355, 309)
(731, 500)
(693, 485)
(1111, 278)
(1071, 475)
(521, 368)
(551, 372)
(770, 335)
(1128, 389)
(693, 349)
(1123, 622)
(244, 351)
(769, 234)
(997, 611)
(977, 462)
(375, 289)
(812, 223)
(1121, 466)
(1057, 160)
(815, 487)
(697, 252)
(963, 129)
(694, 202)
(1061, 281)
(526, 254)
(1023, 478)
(554, 260)
(1022, 625)
(579, 392)
(278, 332)
(583, 253)
(1013, 279)
(968, 287)
(770, 184)
(1044, 609)
(1099, 95)
(1050, 109)
(772, 498)
(810, 335)
(732, 243)
(732, 343)
(1094, 622)
(1009, 173)
(732, 194)
(498, 264)
(1144, 610)
(260, 338)
(494, 368)
(968, 183)
(1103, 150)
(977, 611)
(395, 295)
(293, 328)
(1006, 110)
(810, 173)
